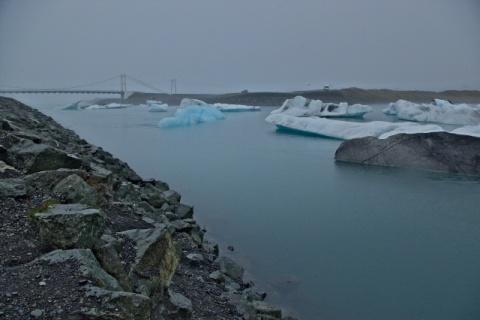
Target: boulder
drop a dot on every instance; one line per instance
(32, 157)
(118, 305)
(263, 308)
(68, 226)
(50, 178)
(179, 307)
(74, 189)
(183, 211)
(106, 251)
(13, 188)
(88, 266)
(436, 151)
(155, 262)
(230, 267)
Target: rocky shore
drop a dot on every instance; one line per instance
(82, 236)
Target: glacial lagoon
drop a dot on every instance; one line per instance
(325, 240)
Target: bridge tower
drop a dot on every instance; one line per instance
(173, 86)
(123, 85)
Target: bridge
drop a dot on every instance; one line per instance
(122, 92)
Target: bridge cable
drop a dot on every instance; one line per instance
(66, 88)
(144, 84)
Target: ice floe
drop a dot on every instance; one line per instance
(345, 129)
(234, 107)
(156, 106)
(107, 106)
(303, 107)
(191, 112)
(439, 111)
(473, 131)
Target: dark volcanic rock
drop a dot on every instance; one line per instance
(436, 151)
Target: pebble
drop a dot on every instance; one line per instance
(37, 313)
(42, 283)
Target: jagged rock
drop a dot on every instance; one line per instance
(5, 168)
(155, 262)
(171, 196)
(68, 226)
(181, 226)
(146, 206)
(262, 308)
(217, 276)
(196, 233)
(13, 188)
(251, 295)
(436, 151)
(75, 190)
(32, 157)
(230, 267)
(152, 195)
(211, 248)
(127, 191)
(8, 126)
(183, 211)
(118, 305)
(88, 266)
(3, 153)
(106, 251)
(100, 174)
(244, 307)
(179, 307)
(195, 258)
(50, 178)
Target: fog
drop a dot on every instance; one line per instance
(227, 46)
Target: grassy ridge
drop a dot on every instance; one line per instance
(350, 95)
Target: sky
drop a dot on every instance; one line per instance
(218, 46)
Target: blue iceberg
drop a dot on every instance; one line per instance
(191, 112)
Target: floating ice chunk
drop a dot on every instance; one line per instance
(107, 106)
(234, 107)
(347, 130)
(156, 106)
(190, 112)
(473, 131)
(303, 107)
(76, 106)
(441, 112)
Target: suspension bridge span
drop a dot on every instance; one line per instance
(82, 88)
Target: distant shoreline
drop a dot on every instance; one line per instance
(349, 95)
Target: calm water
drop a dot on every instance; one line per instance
(325, 240)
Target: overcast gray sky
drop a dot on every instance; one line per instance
(224, 46)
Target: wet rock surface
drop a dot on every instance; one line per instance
(144, 256)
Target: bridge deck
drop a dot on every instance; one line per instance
(63, 91)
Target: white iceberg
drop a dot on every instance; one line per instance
(347, 130)
(440, 111)
(190, 112)
(303, 107)
(473, 131)
(156, 106)
(77, 105)
(107, 106)
(234, 107)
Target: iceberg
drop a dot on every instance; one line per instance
(439, 111)
(107, 106)
(347, 130)
(303, 107)
(473, 131)
(234, 107)
(156, 106)
(191, 112)
(77, 105)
